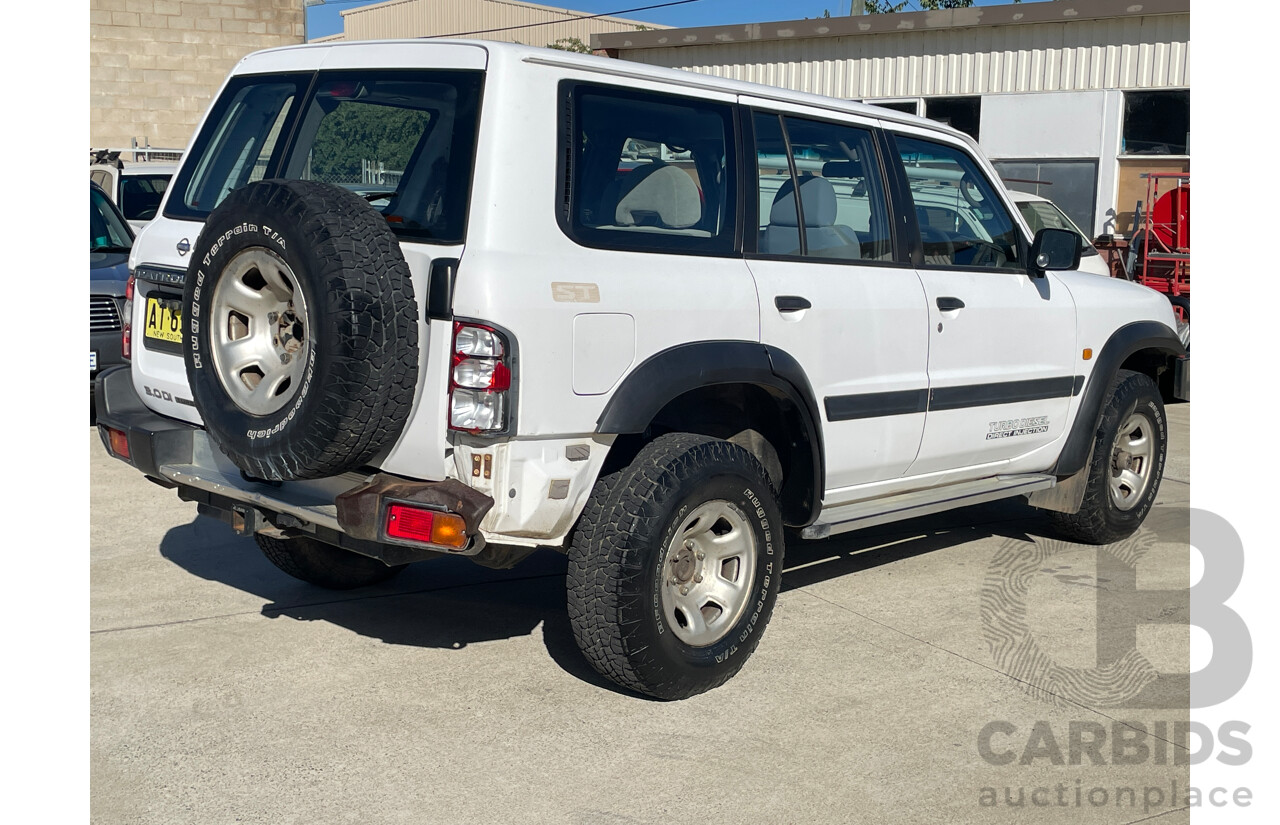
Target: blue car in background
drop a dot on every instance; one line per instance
(110, 240)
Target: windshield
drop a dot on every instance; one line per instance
(107, 232)
(140, 195)
(402, 139)
(1045, 215)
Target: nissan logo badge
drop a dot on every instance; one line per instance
(184, 246)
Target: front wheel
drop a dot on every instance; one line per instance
(675, 566)
(1126, 465)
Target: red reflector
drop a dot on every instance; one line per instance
(119, 443)
(409, 523)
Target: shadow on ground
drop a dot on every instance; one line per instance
(452, 603)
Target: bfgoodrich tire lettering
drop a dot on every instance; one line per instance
(301, 330)
(1126, 466)
(639, 541)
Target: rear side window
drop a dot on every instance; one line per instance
(842, 213)
(405, 140)
(647, 172)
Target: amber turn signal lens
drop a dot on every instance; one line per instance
(1087, 354)
(410, 523)
(119, 443)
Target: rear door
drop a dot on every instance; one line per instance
(1002, 348)
(832, 292)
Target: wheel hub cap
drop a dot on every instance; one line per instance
(708, 573)
(259, 337)
(1132, 457)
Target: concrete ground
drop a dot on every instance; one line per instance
(224, 691)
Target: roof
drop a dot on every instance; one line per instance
(280, 58)
(1062, 11)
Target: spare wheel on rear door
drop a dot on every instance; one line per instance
(301, 339)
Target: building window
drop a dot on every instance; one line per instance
(911, 107)
(1071, 184)
(1157, 123)
(961, 113)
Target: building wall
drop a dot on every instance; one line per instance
(155, 65)
(1125, 53)
(424, 18)
(1051, 76)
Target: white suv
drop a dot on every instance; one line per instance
(407, 299)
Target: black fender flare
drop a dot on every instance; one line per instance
(672, 372)
(1124, 342)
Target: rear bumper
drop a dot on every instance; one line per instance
(182, 456)
(106, 346)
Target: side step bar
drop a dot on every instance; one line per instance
(869, 513)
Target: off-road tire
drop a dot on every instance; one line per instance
(620, 547)
(323, 564)
(357, 373)
(1100, 520)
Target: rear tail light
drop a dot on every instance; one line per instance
(479, 379)
(406, 522)
(126, 322)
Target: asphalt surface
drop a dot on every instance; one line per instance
(224, 691)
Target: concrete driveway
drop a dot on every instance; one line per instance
(902, 668)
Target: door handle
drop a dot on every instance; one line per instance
(791, 303)
(948, 303)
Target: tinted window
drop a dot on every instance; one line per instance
(107, 232)
(236, 144)
(1044, 215)
(140, 195)
(1157, 123)
(841, 213)
(649, 172)
(962, 221)
(404, 140)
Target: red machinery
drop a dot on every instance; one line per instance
(1161, 248)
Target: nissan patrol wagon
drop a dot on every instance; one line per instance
(412, 299)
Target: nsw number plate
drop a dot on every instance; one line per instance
(164, 320)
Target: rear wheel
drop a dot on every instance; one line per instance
(675, 566)
(323, 564)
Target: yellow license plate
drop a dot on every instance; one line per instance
(164, 320)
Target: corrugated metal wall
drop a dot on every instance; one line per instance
(420, 18)
(1127, 53)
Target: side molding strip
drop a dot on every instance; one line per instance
(905, 402)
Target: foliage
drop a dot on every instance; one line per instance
(570, 44)
(360, 131)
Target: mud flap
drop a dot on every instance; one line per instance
(1067, 495)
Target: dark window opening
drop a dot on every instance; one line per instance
(1157, 123)
(962, 113)
(910, 107)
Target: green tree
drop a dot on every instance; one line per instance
(570, 44)
(358, 131)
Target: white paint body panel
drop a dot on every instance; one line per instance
(871, 328)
